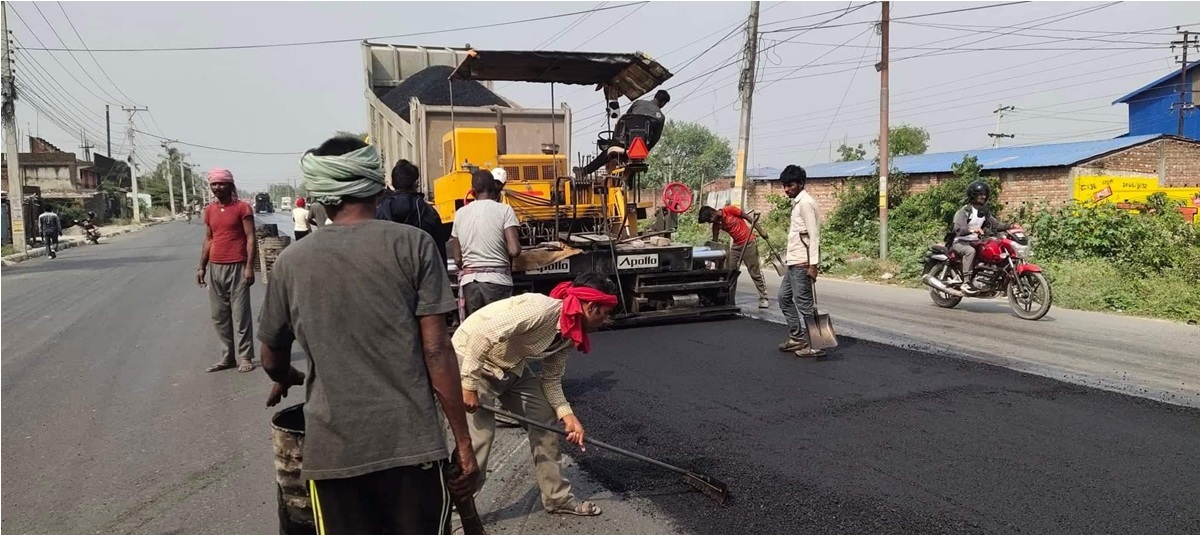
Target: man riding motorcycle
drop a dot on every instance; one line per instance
(969, 224)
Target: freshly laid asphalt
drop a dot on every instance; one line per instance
(113, 427)
(876, 439)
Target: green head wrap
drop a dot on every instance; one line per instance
(354, 174)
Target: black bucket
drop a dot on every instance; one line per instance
(287, 439)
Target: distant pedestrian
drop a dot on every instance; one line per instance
(51, 228)
(300, 219)
(803, 256)
(408, 206)
(484, 242)
(367, 299)
(226, 263)
(744, 250)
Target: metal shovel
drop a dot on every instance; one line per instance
(706, 484)
(819, 327)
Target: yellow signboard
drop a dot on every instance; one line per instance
(1130, 193)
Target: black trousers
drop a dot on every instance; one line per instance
(409, 500)
(481, 294)
(300, 233)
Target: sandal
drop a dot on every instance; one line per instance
(246, 368)
(580, 509)
(219, 367)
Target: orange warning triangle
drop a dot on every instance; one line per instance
(638, 150)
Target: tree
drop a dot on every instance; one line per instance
(847, 153)
(905, 140)
(688, 153)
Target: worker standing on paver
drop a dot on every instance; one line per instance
(51, 228)
(744, 250)
(484, 242)
(226, 263)
(367, 300)
(494, 348)
(803, 256)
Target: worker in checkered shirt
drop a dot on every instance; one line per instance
(494, 347)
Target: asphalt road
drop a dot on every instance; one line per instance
(114, 428)
(877, 439)
(1139, 356)
(111, 425)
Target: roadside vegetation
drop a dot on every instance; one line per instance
(1097, 257)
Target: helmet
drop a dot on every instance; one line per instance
(978, 188)
(500, 175)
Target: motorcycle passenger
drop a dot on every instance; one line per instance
(969, 225)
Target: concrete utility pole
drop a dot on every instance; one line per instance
(108, 129)
(1187, 41)
(746, 88)
(999, 133)
(137, 201)
(884, 166)
(166, 145)
(182, 184)
(8, 88)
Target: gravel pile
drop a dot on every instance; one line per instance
(432, 87)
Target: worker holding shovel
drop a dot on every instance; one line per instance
(494, 346)
(744, 250)
(803, 256)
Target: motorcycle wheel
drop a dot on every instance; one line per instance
(939, 298)
(1030, 296)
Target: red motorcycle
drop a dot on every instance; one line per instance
(1001, 267)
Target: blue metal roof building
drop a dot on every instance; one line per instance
(1154, 108)
(1051, 155)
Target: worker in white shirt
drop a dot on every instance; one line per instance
(803, 256)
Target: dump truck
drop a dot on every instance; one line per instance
(437, 108)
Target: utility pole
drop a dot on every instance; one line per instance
(746, 88)
(86, 147)
(884, 166)
(108, 129)
(166, 145)
(999, 133)
(8, 88)
(182, 184)
(133, 180)
(1187, 41)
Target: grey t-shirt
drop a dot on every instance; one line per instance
(351, 295)
(479, 228)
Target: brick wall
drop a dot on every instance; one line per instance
(1176, 162)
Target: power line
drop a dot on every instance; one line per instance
(254, 153)
(73, 58)
(55, 58)
(976, 8)
(93, 56)
(350, 40)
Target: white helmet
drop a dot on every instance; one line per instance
(500, 175)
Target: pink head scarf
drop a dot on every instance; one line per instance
(218, 174)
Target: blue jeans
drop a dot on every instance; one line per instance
(796, 299)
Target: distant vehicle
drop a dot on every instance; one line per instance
(262, 204)
(285, 204)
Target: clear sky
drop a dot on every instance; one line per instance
(817, 84)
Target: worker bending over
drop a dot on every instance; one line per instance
(744, 250)
(494, 346)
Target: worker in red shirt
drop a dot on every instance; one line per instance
(226, 269)
(736, 223)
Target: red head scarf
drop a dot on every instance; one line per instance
(570, 322)
(300, 202)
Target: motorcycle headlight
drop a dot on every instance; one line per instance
(1022, 250)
